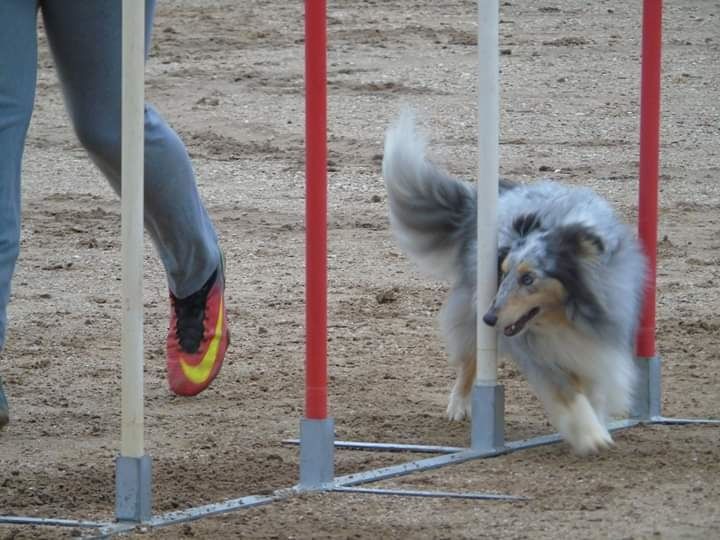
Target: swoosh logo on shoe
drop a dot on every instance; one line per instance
(200, 372)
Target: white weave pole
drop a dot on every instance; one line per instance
(487, 185)
(133, 99)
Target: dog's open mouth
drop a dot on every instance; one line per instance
(518, 325)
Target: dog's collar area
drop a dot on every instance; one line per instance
(518, 325)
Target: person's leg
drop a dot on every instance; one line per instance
(18, 65)
(85, 38)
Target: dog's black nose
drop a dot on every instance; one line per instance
(490, 318)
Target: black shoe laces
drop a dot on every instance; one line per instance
(190, 316)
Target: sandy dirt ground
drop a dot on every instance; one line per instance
(229, 77)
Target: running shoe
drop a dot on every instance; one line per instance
(198, 336)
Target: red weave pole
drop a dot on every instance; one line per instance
(316, 209)
(649, 164)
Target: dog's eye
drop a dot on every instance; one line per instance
(527, 279)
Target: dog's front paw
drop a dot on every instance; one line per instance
(591, 440)
(583, 429)
(458, 407)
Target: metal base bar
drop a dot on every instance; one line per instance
(388, 447)
(317, 453)
(133, 493)
(487, 425)
(403, 469)
(682, 421)
(50, 522)
(193, 514)
(439, 494)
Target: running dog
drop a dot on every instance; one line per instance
(571, 282)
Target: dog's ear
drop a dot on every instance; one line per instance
(570, 247)
(524, 224)
(580, 239)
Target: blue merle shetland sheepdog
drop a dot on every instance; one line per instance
(571, 278)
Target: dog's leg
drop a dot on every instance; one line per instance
(598, 400)
(565, 399)
(457, 322)
(578, 423)
(459, 405)
(594, 394)
(611, 393)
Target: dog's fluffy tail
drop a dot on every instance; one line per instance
(433, 215)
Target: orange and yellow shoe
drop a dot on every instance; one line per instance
(198, 337)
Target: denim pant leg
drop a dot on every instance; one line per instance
(18, 66)
(85, 39)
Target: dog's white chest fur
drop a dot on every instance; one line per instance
(606, 370)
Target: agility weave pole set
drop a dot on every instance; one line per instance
(317, 444)
(487, 422)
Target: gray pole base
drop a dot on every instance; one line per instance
(133, 491)
(648, 389)
(317, 453)
(488, 411)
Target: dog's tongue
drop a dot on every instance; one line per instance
(518, 325)
(514, 328)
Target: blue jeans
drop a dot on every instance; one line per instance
(85, 39)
